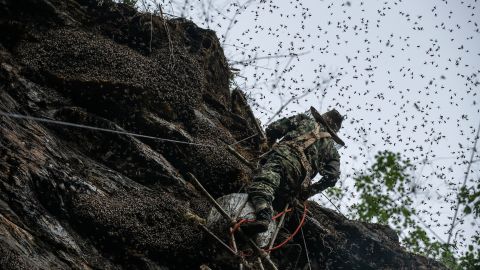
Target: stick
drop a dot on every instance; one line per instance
(219, 208)
(210, 198)
(260, 264)
(234, 244)
(259, 129)
(229, 249)
(258, 250)
(266, 153)
(305, 245)
(463, 185)
(277, 229)
(239, 156)
(233, 236)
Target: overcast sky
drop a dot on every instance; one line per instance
(404, 72)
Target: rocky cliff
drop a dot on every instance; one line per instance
(75, 198)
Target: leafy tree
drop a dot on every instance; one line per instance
(386, 191)
(471, 259)
(470, 197)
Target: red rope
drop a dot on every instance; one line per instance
(244, 220)
(294, 233)
(281, 213)
(239, 223)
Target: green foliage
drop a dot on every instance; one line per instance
(385, 192)
(419, 242)
(470, 197)
(471, 259)
(334, 192)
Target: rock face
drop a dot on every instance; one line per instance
(82, 199)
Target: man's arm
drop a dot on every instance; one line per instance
(322, 184)
(331, 173)
(279, 128)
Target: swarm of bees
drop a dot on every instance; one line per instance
(405, 74)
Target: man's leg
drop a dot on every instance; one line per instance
(261, 193)
(263, 187)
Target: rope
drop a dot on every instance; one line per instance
(246, 220)
(239, 223)
(282, 213)
(306, 249)
(333, 204)
(300, 225)
(68, 124)
(244, 139)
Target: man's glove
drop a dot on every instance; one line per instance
(318, 187)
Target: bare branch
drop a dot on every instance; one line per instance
(268, 57)
(242, 7)
(463, 185)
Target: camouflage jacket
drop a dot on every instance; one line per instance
(322, 155)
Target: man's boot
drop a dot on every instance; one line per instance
(263, 219)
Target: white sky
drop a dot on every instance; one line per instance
(404, 72)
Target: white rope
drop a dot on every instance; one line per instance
(244, 139)
(333, 204)
(62, 123)
(305, 245)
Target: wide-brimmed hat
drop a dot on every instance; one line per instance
(332, 121)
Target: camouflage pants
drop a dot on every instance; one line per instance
(279, 176)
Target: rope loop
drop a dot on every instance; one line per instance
(237, 225)
(300, 225)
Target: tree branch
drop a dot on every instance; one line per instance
(463, 185)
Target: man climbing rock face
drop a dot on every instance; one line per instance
(308, 147)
